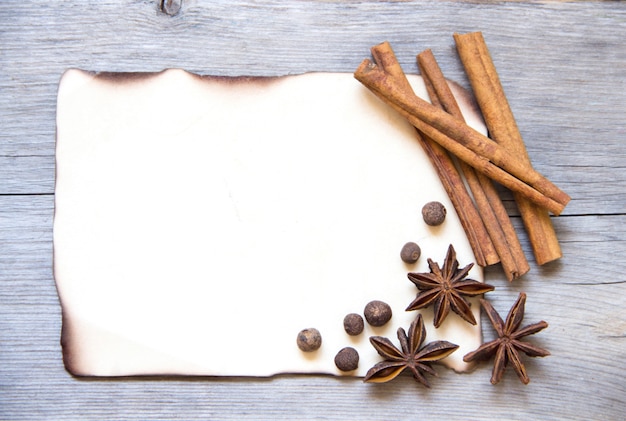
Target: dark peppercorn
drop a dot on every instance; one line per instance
(377, 313)
(347, 359)
(353, 324)
(410, 252)
(434, 213)
(309, 340)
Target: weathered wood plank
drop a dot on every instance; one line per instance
(562, 70)
(586, 337)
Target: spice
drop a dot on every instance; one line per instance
(434, 213)
(353, 324)
(377, 313)
(457, 137)
(446, 288)
(502, 126)
(410, 252)
(488, 204)
(411, 354)
(470, 220)
(449, 175)
(347, 359)
(508, 345)
(309, 340)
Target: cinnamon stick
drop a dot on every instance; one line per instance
(503, 129)
(475, 230)
(471, 221)
(488, 203)
(464, 142)
(451, 180)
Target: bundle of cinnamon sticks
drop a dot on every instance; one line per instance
(482, 160)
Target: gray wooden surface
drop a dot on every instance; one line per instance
(563, 66)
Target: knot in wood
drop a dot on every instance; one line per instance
(171, 7)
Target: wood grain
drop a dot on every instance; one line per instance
(562, 65)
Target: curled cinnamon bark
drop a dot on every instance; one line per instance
(477, 235)
(488, 203)
(467, 144)
(502, 126)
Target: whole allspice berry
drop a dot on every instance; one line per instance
(347, 359)
(377, 313)
(410, 252)
(309, 340)
(353, 324)
(434, 213)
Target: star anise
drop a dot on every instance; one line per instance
(508, 344)
(410, 355)
(445, 288)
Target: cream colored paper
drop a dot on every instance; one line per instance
(200, 223)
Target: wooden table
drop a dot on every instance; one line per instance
(563, 66)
